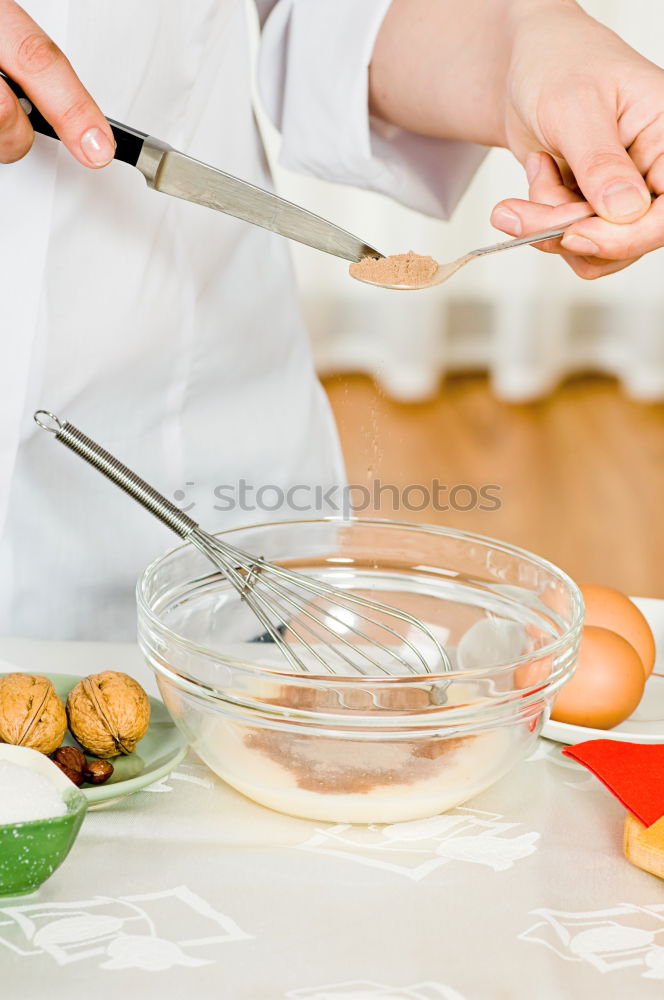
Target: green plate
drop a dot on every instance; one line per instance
(160, 750)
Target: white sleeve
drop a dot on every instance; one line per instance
(314, 83)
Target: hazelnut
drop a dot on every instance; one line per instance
(70, 757)
(31, 714)
(98, 771)
(75, 776)
(108, 713)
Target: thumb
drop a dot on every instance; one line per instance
(602, 167)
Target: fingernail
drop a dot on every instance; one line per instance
(508, 221)
(623, 199)
(533, 164)
(579, 244)
(97, 147)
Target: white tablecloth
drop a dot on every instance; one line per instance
(187, 889)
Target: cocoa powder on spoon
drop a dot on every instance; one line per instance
(399, 269)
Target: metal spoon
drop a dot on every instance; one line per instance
(445, 271)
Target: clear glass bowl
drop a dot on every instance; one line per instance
(358, 749)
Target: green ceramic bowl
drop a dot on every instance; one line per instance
(30, 852)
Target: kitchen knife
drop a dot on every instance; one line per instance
(171, 172)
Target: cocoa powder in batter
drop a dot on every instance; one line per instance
(341, 767)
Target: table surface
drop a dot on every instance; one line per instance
(189, 889)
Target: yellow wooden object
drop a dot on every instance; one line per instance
(644, 845)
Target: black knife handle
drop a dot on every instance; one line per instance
(129, 140)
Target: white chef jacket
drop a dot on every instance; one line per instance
(169, 332)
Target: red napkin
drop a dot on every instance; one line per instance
(634, 772)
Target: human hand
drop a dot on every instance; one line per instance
(34, 61)
(585, 115)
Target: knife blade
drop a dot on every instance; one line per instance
(174, 173)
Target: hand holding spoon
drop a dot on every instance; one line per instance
(443, 272)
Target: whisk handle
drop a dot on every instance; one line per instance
(109, 466)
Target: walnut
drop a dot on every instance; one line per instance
(31, 714)
(108, 713)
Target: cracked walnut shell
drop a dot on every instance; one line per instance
(108, 713)
(31, 714)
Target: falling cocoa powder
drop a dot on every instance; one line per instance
(400, 269)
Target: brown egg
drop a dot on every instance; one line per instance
(609, 608)
(533, 674)
(607, 685)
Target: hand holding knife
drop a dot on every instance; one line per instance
(171, 172)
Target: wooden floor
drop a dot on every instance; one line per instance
(579, 477)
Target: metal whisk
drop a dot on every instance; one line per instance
(317, 627)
